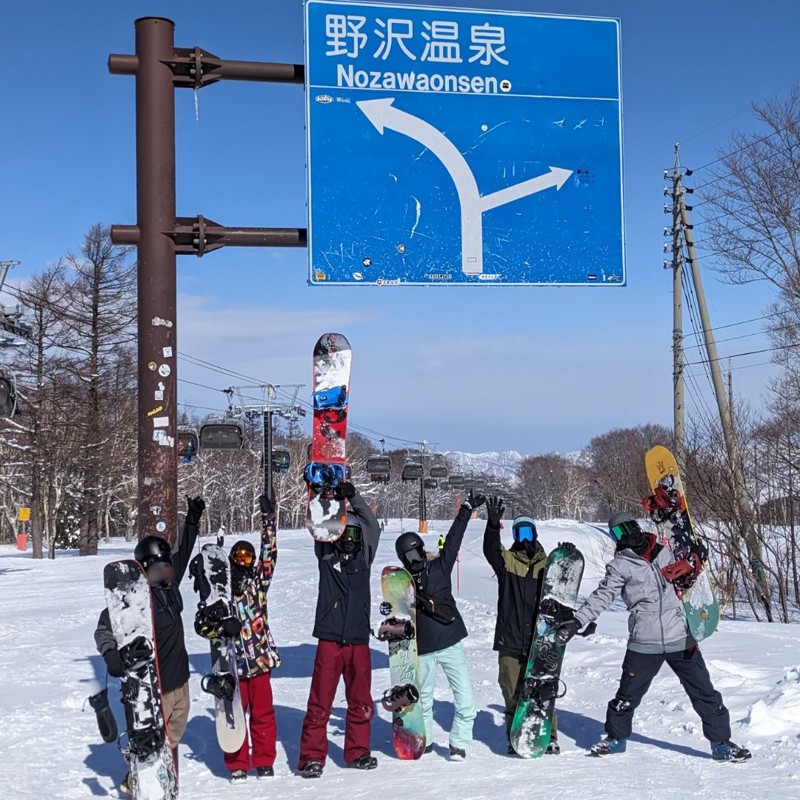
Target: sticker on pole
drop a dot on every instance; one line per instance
(452, 146)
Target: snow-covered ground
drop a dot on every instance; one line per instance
(51, 750)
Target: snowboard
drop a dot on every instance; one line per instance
(399, 629)
(327, 466)
(668, 504)
(531, 726)
(152, 769)
(211, 571)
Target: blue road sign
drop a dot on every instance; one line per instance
(462, 146)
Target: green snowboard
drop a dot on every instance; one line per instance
(531, 727)
(408, 725)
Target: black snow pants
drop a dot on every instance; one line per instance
(638, 671)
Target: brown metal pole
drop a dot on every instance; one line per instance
(155, 214)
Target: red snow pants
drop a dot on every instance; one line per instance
(257, 695)
(332, 661)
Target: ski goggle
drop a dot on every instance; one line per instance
(352, 533)
(626, 528)
(243, 557)
(524, 533)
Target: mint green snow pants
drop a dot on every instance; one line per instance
(454, 666)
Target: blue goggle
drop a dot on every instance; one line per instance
(524, 533)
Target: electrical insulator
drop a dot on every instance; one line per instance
(666, 174)
(688, 208)
(667, 231)
(667, 209)
(666, 247)
(666, 191)
(667, 264)
(688, 172)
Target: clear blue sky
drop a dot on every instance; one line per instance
(532, 369)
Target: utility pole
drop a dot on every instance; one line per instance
(678, 407)
(159, 236)
(290, 409)
(746, 516)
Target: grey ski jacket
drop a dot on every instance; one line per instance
(657, 621)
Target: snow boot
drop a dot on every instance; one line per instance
(364, 762)
(608, 746)
(553, 748)
(265, 772)
(728, 751)
(238, 776)
(457, 754)
(312, 770)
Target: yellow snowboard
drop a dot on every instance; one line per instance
(702, 608)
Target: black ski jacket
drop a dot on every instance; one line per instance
(519, 587)
(173, 660)
(435, 583)
(344, 600)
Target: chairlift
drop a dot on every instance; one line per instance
(375, 478)
(479, 485)
(221, 434)
(430, 483)
(379, 465)
(456, 481)
(188, 442)
(438, 472)
(281, 460)
(412, 471)
(8, 396)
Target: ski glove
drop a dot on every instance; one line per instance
(344, 491)
(474, 501)
(700, 550)
(566, 630)
(231, 627)
(114, 662)
(195, 508)
(265, 504)
(494, 511)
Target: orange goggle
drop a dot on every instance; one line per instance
(243, 557)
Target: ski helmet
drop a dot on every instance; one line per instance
(152, 549)
(352, 530)
(410, 550)
(621, 525)
(524, 529)
(243, 554)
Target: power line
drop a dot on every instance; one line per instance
(739, 150)
(369, 432)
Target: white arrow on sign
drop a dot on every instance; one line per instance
(557, 177)
(382, 114)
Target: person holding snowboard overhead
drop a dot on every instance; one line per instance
(165, 570)
(256, 654)
(342, 626)
(519, 571)
(440, 627)
(644, 573)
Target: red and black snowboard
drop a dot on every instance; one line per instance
(327, 467)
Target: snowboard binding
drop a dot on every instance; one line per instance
(394, 629)
(136, 652)
(400, 697)
(221, 686)
(146, 742)
(324, 477)
(543, 692)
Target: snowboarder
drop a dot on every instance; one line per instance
(519, 572)
(256, 654)
(221, 536)
(645, 573)
(165, 570)
(440, 627)
(342, 626)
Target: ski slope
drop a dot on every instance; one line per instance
(50, 749)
